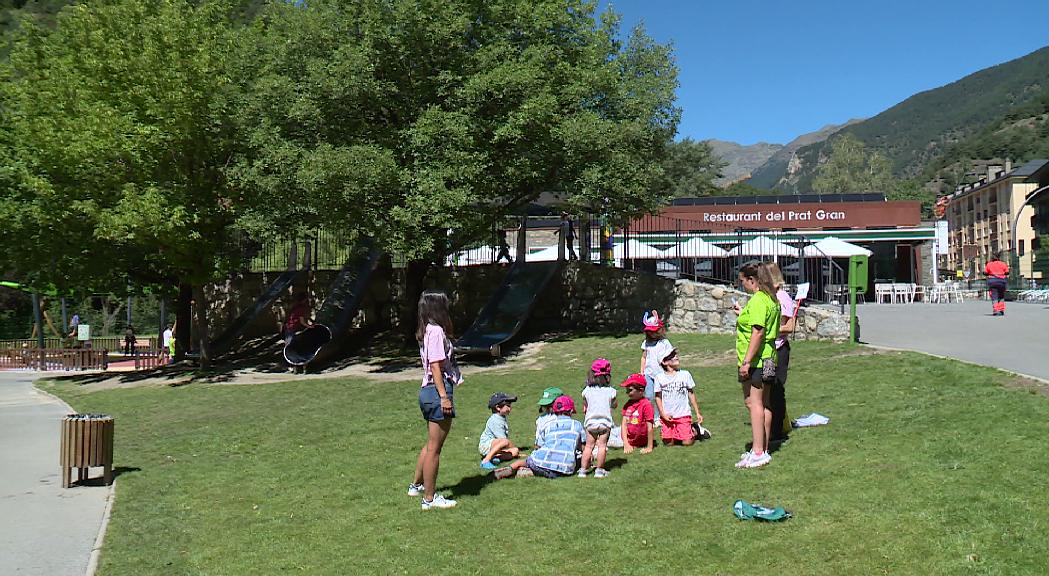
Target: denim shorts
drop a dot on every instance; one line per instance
(430, 403)
(544, 472)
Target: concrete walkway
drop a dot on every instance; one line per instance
(1018, 341)
(46, 530)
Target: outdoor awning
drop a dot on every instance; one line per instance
(548, 254)
(632, 249)
(696, 248)
(833, 247)
(763, 246)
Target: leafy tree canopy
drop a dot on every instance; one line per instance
(690, 169)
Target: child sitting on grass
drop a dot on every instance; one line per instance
(546, 415)
(674, 393)
(495, 444)
(599, 398)
(558, 442)
(637, 416)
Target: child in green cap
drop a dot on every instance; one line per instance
(546, 415)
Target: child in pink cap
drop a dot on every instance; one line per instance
(675, 390)
(558, 442)
(653, 350)
(599, 398)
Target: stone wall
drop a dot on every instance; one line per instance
(586, 298)
(707, 309)
(590, 298)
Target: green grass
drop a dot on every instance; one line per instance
(927, 467)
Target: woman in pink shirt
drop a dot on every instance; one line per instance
(778, 401)
(440, 376)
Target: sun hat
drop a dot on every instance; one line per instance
(501, 398)
(564, 405)
(669, 355)
(634, 380)
(601, 367)
(549, 395)
(652, 321)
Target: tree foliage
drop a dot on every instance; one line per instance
(409, 117)
(690, 169)
(851, 167)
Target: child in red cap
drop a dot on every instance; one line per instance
(675, 390)
(637, 416)
(558, 442)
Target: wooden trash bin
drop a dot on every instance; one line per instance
(87, 441)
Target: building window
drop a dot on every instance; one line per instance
(1020, 247)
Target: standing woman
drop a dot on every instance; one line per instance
(756, 331)
(440, 376)
(997, 273)
(787, 320)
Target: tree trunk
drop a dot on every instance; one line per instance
(414, 279)
(201, 325)
(183, 319)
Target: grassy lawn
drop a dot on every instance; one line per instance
(927, 467)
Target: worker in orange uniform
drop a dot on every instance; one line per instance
(997, 272)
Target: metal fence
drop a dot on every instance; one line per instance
(674, 248)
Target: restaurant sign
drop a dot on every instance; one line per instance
(800, 215)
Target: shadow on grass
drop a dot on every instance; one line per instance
(470, 485)
(100, 481)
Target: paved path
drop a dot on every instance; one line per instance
(45, 529)
(1018, 341)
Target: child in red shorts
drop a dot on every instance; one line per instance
(637, 416)
(675, 390)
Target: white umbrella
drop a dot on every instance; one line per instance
(834, 247)
(763, 246)
(696, 248)
(636, 250)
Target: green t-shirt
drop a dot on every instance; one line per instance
(761, 310)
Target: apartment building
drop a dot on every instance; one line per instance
(980, 219)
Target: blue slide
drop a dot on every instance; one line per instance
(508, 308)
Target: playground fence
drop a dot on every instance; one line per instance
(107, 343)
(61, 359)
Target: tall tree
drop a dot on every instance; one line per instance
(690, 169)
(851, 167)
(413, 117)
(120, 126)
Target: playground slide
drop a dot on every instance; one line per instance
(305, 345)
(224, 340)
(509, 307)
(336, 313)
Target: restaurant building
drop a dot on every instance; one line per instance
(902, 246)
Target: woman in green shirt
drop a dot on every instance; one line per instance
(756, 331)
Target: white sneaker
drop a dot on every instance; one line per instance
(743, 459)
(415, 489)
(758, 461)
(600, 473)
(438, 502)
(581, 473)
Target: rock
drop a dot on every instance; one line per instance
(707, 304)
(836, 328)
(714, 319)
(718, 292)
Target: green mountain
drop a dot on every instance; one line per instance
(917, 131)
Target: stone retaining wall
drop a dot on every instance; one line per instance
(707, 309)
(586, 298)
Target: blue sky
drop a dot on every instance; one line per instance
(771, 70)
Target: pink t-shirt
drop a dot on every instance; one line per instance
(786, 309)
(436, 347)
